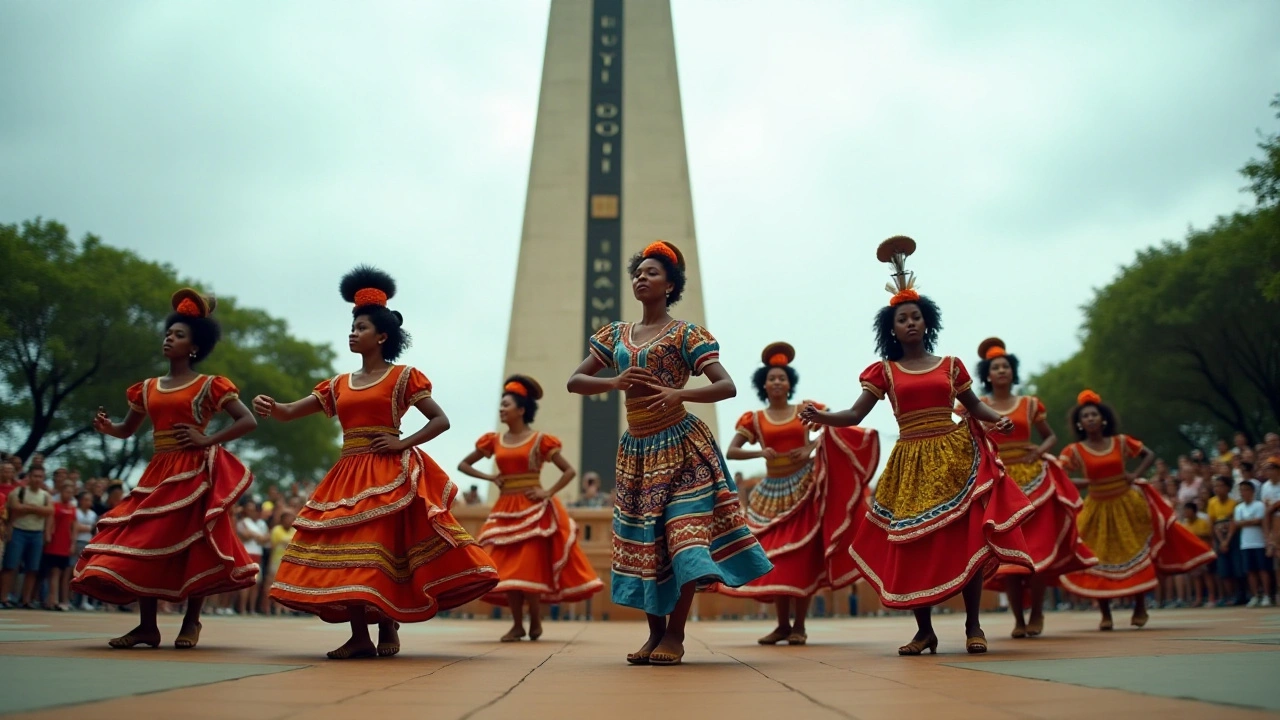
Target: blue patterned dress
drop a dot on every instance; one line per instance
(676, 516)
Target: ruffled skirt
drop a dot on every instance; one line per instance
(944, 511)
(534, 545)
(1135, 533)
(172, 537)
(806, 520)
(676, 517)
(1053, 540)
(377, 538)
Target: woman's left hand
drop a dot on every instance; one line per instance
(190, 437)
(664, 399)
(387, 443)
(1004, 426)
(800, 454)
(537, 494)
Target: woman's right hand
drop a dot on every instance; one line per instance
(810, 415)
(264, 405)
(768, 453)
(634, 376)
(101, 422)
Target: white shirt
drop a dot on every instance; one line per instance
(257, 527)
(86, 517)
(1252, 537)
(1270, 493)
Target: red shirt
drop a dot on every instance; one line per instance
(64, 519)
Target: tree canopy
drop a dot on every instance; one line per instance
(82, 321)
(1185, 341)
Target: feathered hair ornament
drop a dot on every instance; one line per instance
(895, 251)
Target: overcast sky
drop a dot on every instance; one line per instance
(265, 148)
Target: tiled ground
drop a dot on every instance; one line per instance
(56, 665)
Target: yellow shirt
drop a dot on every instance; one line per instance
(280, 539)
(1200, 527)
(1220, 510)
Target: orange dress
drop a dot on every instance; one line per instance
(171, 537)
(377, 531)
(534, 543)
(944, 510)
(805, 514)
(1130, 526)
(1050, 531)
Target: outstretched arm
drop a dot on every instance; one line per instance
(842, 418)
(266, 406)
(102, 423)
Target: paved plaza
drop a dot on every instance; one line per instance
(1191, 664)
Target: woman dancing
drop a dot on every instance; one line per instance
(529, 535)
(1133, 530)
(677, 523)
(1050, 531)
(805, 512)
(172, 538)
(944, 511)
(376, 541)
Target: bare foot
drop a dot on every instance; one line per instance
(137, 636)
(388, 638)
(353, 648)
(513, 635)
(535, 629)
(189, 636)
(641, 656)
(669, 652)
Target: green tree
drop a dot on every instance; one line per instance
(1185, 342)
(81, 322)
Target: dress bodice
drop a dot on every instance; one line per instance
(922, 400)
(679, 351)
(193, 403)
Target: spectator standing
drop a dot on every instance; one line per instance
(1221, 510)
(1193, 587)
(55, 565)
(254, 534)
(281, 536)
(86, 524)
(591, 497)
(30, 509)
(1247, 522)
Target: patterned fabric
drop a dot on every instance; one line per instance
(1129, 525)
(677, 352)
(172, 537)
(533, 543)
(944, 509)
(377, 537)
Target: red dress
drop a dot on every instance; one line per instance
(1130, 526)
(171, 537)
(377, 531)
(1050, 531)
(804, 514)
(534, 543)
(944, 510)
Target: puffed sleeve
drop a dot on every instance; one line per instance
(221, 392)
(416, 388)
(602, 344)
(548, 446)
(874, 380)
(1038, 411)
(1133, 447)
(1070, 458)
(487, 443)
(746, 427)
(134, 396)
(960, 380)
(700, 349)
(324, 393)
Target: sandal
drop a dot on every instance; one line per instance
(917, 647)
(1019, 632)
(638, 658)
(656, 658)
(976, 644)
(186, 641)
(1106, 624)
(1139, 621)
(1035, 628)
(797, 638)
(535, 632)
(129, 640)
(512, 635)
(775, 637)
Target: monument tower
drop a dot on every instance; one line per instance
(608, 176)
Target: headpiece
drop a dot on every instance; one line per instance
(365, 286)
(991, 348)
(664, 249)
(524, 386)
(778, 354)
(1273, 461)
(1088, 397)
(895, 251)
(190, 303)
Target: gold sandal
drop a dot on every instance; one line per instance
(129, 640)
(1139, 621)
(976, 645)
(917, 647)
(638, 658)
(775, 637)
(665, 658)
(797, 638)
(188, 641)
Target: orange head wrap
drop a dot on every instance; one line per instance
(994, 353)
(516, 388)
(371, 296)
(657, 248)
(1273, 461)
(188, 307)
(778, 360)
(189, 303)
(904, 296)
(1088, 397)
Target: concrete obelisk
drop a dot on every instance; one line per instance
(608, 176)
